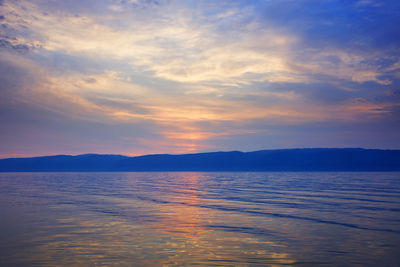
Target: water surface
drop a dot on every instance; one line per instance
(209, 219)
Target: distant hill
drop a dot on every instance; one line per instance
(310, 159)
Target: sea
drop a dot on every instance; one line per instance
(200, 219)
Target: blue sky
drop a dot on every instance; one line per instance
(136, 77)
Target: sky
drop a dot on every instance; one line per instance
(141, 77)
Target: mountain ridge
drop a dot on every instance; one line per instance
(296, 159)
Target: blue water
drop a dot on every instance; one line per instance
(207, 219)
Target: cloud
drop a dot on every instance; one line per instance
(191, 73)
(176, 47)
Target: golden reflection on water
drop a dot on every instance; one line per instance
(185, 219)
(197, 244)
(179, 234)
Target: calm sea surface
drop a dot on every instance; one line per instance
(207, 219)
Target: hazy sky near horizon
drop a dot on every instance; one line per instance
(136, 77)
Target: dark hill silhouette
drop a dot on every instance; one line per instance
(310, 159)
